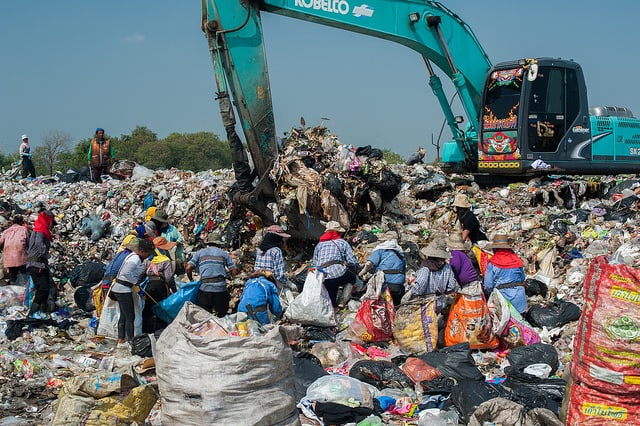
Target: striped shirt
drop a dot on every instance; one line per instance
(271, 260)
(212, 262)
(334, 250)
(438, 282)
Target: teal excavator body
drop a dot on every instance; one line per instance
(528, 116)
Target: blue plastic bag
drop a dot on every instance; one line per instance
(168, 308)
(148, 201)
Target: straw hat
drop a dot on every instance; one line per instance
(433, 250)
(500, 241)
(455, 242)
(162, 243)
(160, 216)
(277, 229)
(333, 226)
(461, 201)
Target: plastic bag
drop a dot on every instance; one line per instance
(555, 314)
(168, 308)
(336, 388)
(374, 319)
(419, 371)
(381, 374)
(416, 325)
(312, 306)
(469, 321)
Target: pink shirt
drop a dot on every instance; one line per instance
(14, 240)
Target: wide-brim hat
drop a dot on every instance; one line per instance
(454, 242)
(500, 241)
(277, 229)
(461, 201)
(160, 216)
(216, 238)
(432, 250)
(162, 243)
(333, 225)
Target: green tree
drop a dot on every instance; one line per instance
(198, 151)
(127, 147)
(392, 157)
(75, 159)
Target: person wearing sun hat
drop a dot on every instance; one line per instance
(435, 275)
(269, 254)
(160, 226)
(25, 155)
(213, 263)
(335, 257)
(158, 270)
(260, 296)
(471, 228)
(388, 257)
(505, 272)
(460, 263)
(38, 255)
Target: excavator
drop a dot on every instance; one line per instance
(524, 117)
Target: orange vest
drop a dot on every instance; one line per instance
(100, 153)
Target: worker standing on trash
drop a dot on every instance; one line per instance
(269, 254)
(123, 288)
(161, 282)
(335, 257)
(100, 155)
(25, 156)
(260, 296)
(469, 224)
(416, 157)
(435, 276)
(388, 257)
(213, 264)
(505, 272)
(160, 226)
(14, 242)
(38, 260)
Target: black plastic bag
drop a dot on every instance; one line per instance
(454, 361)
(539, 353)
(83, 296)
(381, 374)
(387, 182)
(467, 395)
(535, 287)
(308, 369)
(363, 151)
(87, 274)
(535, 392)
(556, 314)
(319, 334)
(141, 346)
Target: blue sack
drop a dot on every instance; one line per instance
(168, 308)
(148, 201)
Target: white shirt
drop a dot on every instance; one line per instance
(130, 271)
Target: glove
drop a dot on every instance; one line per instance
(366, 276)
(407, 296)
(137, 289)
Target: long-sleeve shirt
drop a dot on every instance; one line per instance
(260, 293)
(438, 282)
(172, 234)
(495, 276)
(212, 262)
(111, 271)
(389, 260)
(130, 272)
(463, 268)
(38, 251)
(271, 260)
(14, 241)
(334, 250)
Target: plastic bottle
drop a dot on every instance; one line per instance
(243, 330)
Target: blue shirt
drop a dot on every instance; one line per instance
(386, 260)
(271, 260)
(495, 276)
(212, 262)
(260, 292)
(334, 250)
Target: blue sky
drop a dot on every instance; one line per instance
(77, 65)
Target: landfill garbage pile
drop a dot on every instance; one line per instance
(561, 228)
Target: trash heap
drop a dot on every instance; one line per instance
(578, 238)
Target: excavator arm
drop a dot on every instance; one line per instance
(234, 33)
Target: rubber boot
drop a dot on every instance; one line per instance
(345, 296)
(35, 307)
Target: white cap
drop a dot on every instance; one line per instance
(25, 137)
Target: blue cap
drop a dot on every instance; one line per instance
(98, 129)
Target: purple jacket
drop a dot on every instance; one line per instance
(462, 268)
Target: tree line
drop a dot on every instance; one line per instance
(185, 151)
